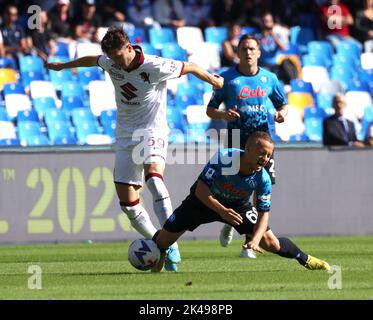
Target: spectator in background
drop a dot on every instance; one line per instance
(336, 20)
(169, 13)
(14, 36)
(112, 12)
(140, 13)
(197, 13)
(41, 39)
(223, 12)
(229, 56)
(364, 25)
(252, 11)
(60, 20)
(369, 135)
(337, 130)
(86, 24)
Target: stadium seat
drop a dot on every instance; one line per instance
(147, 48)
(72, 89)
(137, 35)
(62, 49)
(85, 129)
(248, 30)
(27, 115)
(10, 88)
(71, 103)
(357, 101)
(7, 62)
(88, 49)
(7, 130)
(349, 49)
(4, 115)
(86, 75)
(366, 60)
(175, 118)
(315, 75)
(184, 100)
(343, 62)
(59, 130)
(43, 104)
(16, 102)
(71, 140)
(172, 50)
(53, 115)
(31, 63)
(298, 85)
(313, 60)
(101, 31)
(312, 112)
(357, 85)
(42, 89)
(10, 142)
(301, 36)
(101, 96)
(197, 118)
(206, 55)
(29, 76)
(299, 137)
(58, 78)
(108, 115)
(98, 139)
(159, 36)
(293, 124)
(7, 76)
(190, 88)
(82, 115)
(314, 128)
(27, 129)
(216, 35)
(342, 75)
(190, 39)
(325, 100)
(300, 101)
(37, 140)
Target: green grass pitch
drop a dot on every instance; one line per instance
(208, 271)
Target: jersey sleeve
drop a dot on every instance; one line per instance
(217, 98)
(104, 62)
(264, 194)
(277, 95)
(167, 68)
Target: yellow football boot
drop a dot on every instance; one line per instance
(316, 264)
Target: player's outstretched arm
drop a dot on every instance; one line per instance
(87, 61)
(204, 194)
(226, 115)
(260, 229)
(215, 80)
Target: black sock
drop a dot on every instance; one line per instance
(247, 238)
(154, 238)
(288, 249)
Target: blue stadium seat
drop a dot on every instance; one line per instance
(71, 140)
(59, 129)
(31, 63)
(27, 115)
(43, 104)
(149, 49)
(344, 76)
(86, 75)
(29, 76)
(71, 103)
(299, 137)
(137, 35)
(301, 36)
(344, 62)
(72, 89)
(175, 118)
(173, 51)
(28, 128)
(159, 36)
(107, 116)
(10, 88)
(55, 115)
(109, 127)
(298, 85)
(4, 115)
(313, 60)
(349, 49)
(313, 128)
(82, 115)
(10, 142)
(312, 112)
(325, 100)
(357, 85)
(7, 62)
(216, 35)
(84, 129)
(183, 100)
(58, 78)
(62, 49)
(248, 30)
(323, 49)
(37, 140)
(192, 88)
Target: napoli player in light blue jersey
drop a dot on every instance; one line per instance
(222, 193)
(247, 88)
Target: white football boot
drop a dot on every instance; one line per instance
(247, 253)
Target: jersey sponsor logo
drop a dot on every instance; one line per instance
(253, 108)
(145, 76)
(128, 91)
(247, 92)
(115, 75)
(229, 187)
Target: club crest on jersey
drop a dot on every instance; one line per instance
(247, 92)
(264, 79)
(145, 76)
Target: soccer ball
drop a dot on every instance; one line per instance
(143, 254)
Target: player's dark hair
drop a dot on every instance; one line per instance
(114, 39)
(248, 37)
(254, 137)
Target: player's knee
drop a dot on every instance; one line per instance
(271, 244)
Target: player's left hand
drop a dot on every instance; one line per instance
(254, 246)
(219, 82)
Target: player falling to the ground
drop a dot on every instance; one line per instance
(246, 93)
(140, 82)
(220, 194)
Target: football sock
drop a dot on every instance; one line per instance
(139, 218)
(288, 249)
(161, 198)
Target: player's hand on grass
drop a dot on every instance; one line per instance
(231, 114)
(254, 246)
(57, 66)
(219, 82)
(231, 216)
